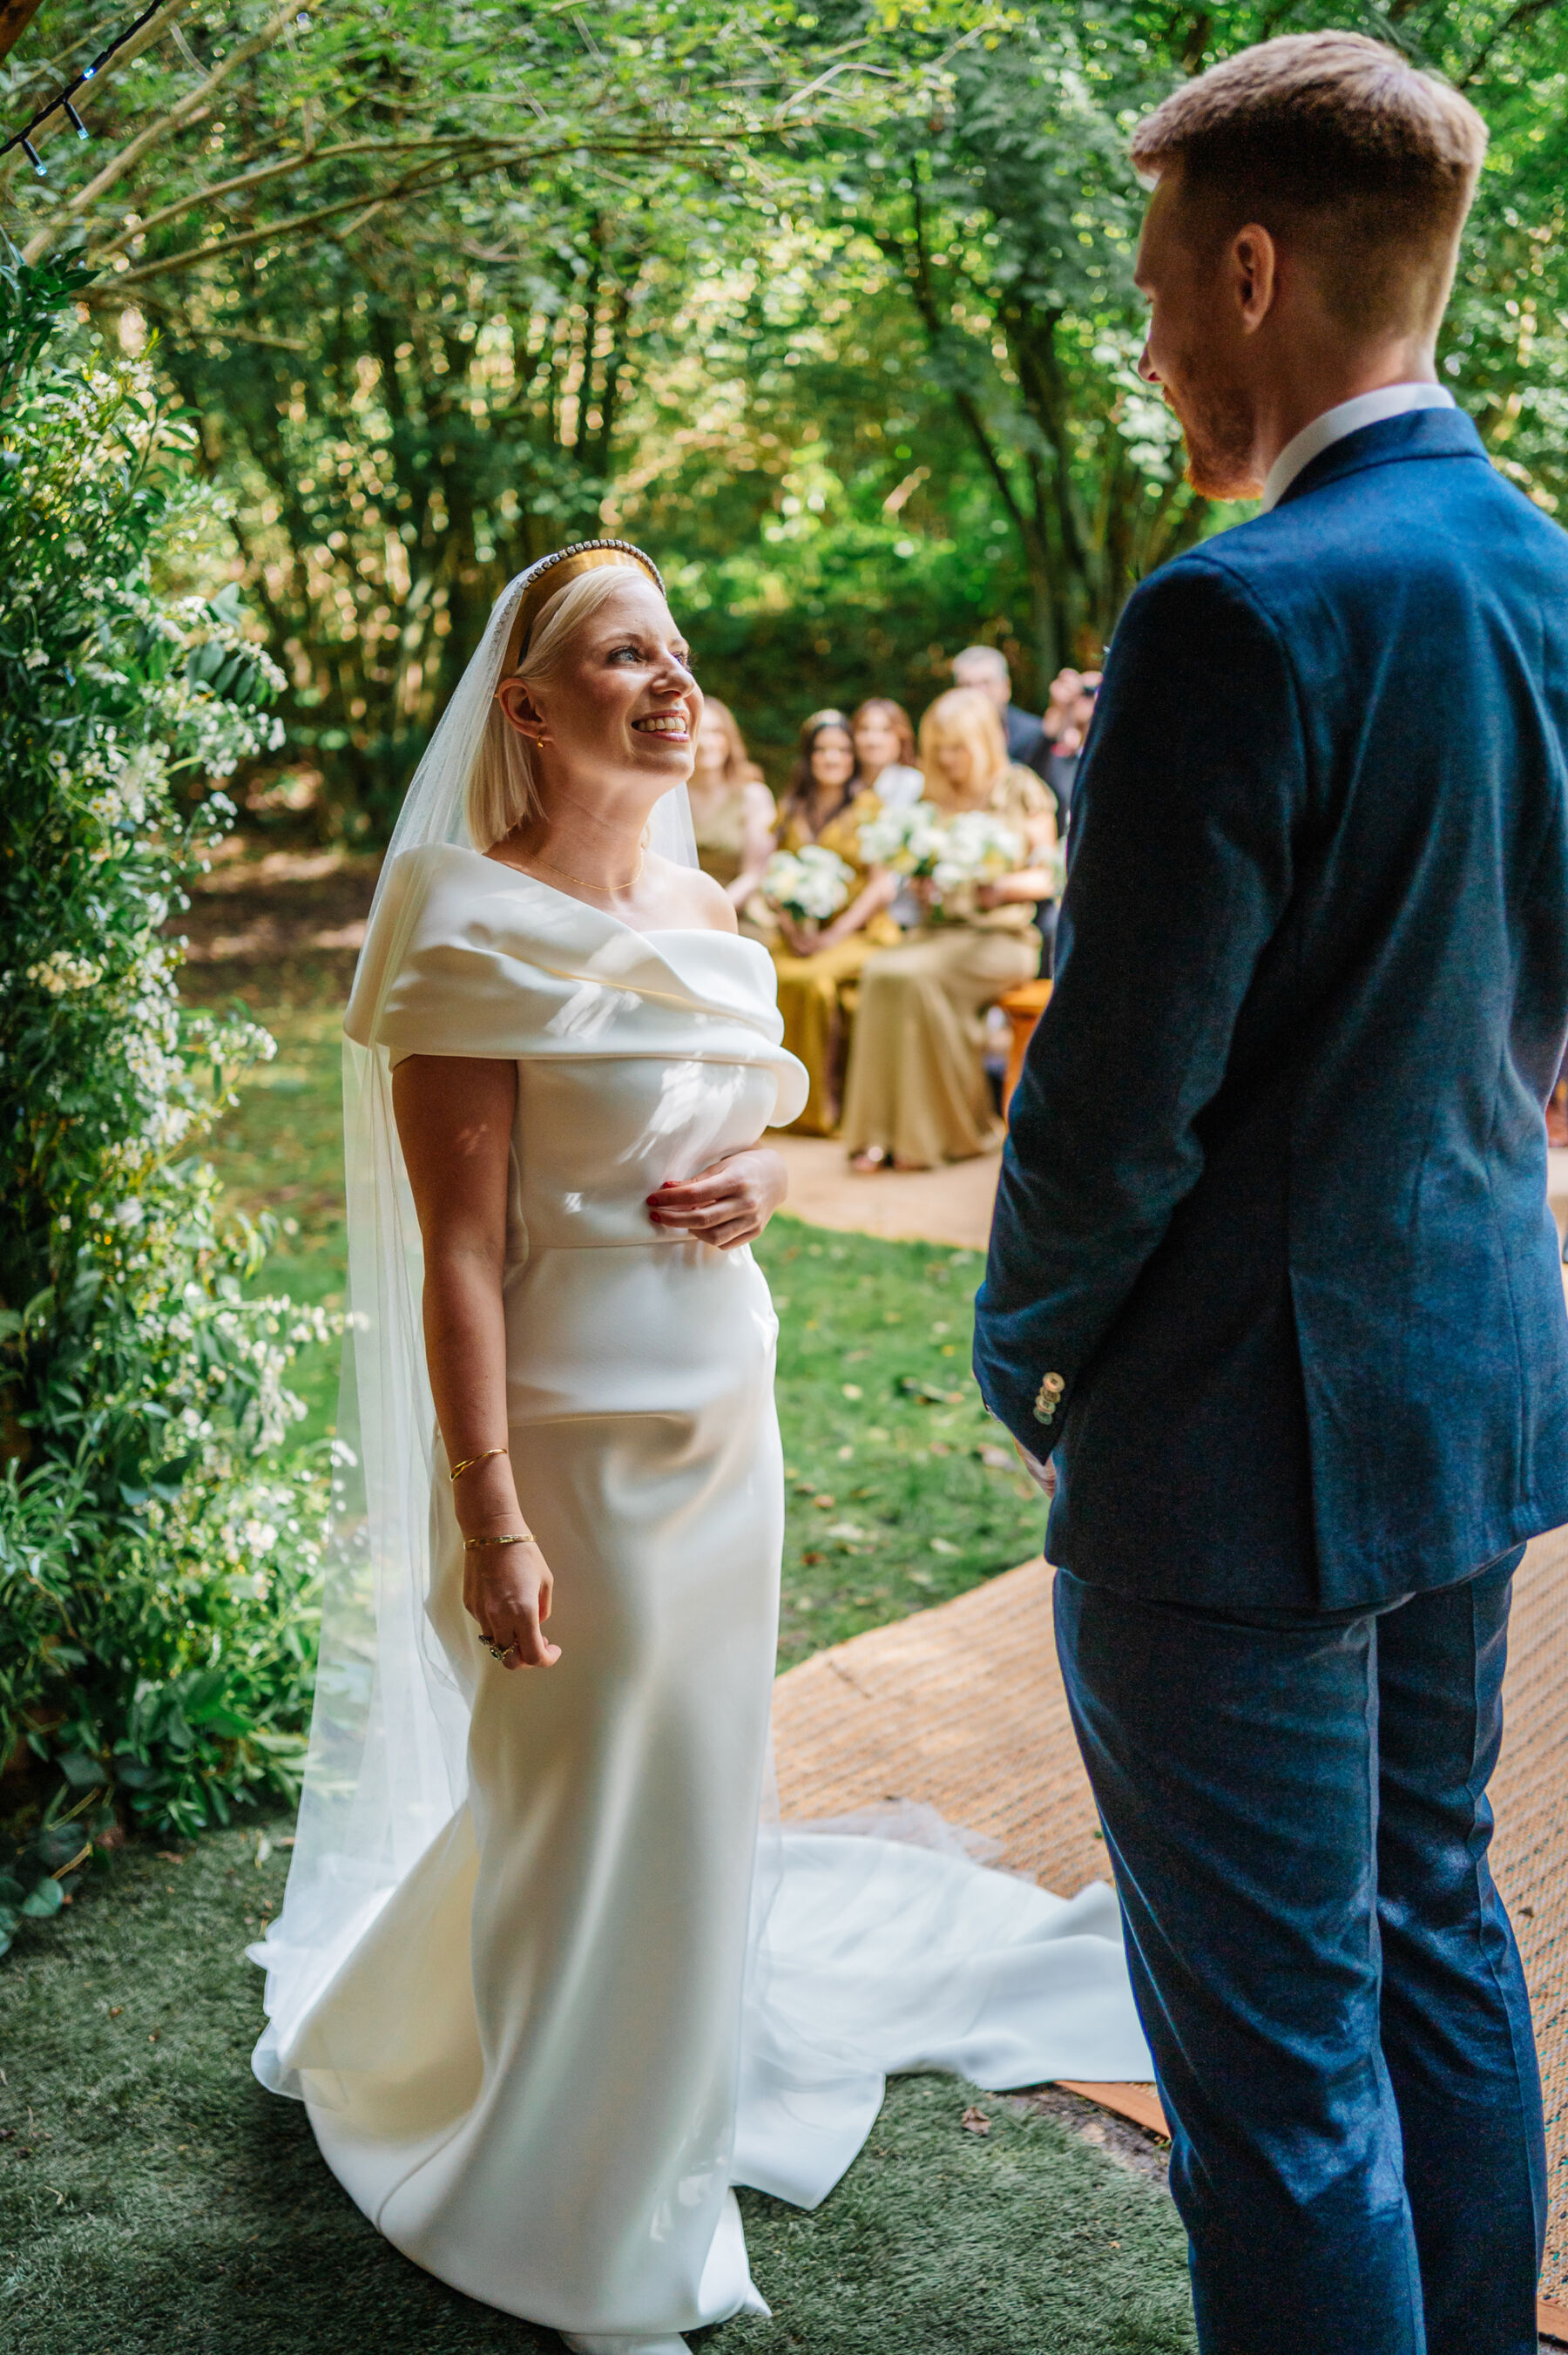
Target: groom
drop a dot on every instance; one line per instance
(1272, 1275)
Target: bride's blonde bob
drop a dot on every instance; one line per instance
(503, 789)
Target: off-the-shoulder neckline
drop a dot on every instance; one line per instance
(638, 932)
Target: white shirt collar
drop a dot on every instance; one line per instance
(1366, 409)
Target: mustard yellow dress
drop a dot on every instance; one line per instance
(916, 1083)
(720, 828)
(812, 988)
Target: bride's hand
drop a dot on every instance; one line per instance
(731, 1203)
(507, 1592)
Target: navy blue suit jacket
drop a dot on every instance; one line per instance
(1273, 1208)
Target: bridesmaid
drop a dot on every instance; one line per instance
(884, 747)
(828, 802)
(732, 812)
(916, 1092)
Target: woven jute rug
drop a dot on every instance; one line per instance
(962, 1708)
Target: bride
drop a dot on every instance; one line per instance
(551, 1978)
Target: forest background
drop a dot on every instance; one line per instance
(830, 306)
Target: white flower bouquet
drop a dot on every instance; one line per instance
(977, 848)
(811, 885)
(950, 853)
(909, 841)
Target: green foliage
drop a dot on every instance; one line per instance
(410, 270)
(156, 1565)
(831, 307)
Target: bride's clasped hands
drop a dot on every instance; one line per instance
(729, 1204)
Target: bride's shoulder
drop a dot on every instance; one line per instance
(445, 883)
(426, 865)
(695, 902)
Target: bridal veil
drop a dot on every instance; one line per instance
(385, 1771)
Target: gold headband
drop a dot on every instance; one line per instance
(552, 573)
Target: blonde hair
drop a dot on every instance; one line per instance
(963, 716)
(1334, 136)
(504, 788)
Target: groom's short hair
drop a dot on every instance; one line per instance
(1338, 139)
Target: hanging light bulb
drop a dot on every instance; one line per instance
(34, 159)
(81, 130)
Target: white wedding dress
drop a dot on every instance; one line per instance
(601, 1996)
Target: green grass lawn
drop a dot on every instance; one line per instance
(901, 1490)
(154, 2200)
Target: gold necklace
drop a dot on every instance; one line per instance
(583, 882)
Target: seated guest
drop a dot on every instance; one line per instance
(985, 669)
(732, 812)
(884, 747)
(1067, 718)
(1066, 724)
(917, 1092)
(827, 803)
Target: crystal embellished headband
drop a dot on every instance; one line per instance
(552, 572)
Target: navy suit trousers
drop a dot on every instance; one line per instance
(1296, 1809)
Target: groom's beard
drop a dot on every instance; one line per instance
(1218, 426)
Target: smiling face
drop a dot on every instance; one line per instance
(876, 742)
(710, 762)
(618, 710)
(832, 757)
(955, 759)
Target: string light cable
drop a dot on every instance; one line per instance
(62, 98)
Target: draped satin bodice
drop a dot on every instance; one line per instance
(477, 959)
(586, 1156)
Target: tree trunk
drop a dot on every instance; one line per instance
(16, 15)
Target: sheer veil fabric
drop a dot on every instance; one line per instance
(385, 1771)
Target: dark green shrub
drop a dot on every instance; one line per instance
(158, 1553)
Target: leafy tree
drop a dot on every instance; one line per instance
(443, 413)
(408, 263)
(1009, 216)
(832, 305)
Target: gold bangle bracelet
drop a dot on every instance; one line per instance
(470, 1543)
(468, 1462)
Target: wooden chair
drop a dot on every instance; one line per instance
(1023, 1008)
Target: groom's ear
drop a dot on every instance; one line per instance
(1253, 265)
